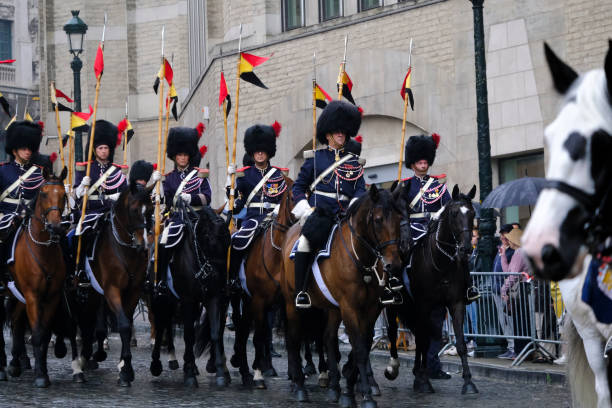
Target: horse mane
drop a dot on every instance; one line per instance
(352, 210)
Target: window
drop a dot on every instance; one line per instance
(293, 14)
(197, 40)
(329, 9)
(513, 168)
(369, 4)
(6, 48)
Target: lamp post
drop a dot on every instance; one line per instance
(75, 29)
(486, 247)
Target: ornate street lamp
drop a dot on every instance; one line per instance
(75, 29)
(486, 246)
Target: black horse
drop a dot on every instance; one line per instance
(437, 278)
(198, 271)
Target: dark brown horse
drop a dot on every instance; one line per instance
(39, 273)
(120, 263)
(364, 251)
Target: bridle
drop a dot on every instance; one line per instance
(130, 230)
(54, 237)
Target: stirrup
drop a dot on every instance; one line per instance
(395, 284)
(303, 305)
(472, 298)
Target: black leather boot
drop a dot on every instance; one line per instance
(302, 264)
(234, 284)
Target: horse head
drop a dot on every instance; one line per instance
(133, 211)
(459, 215)
(579, 143)
(51, 202)
(284, 215)
(400, 197)
(213, 238)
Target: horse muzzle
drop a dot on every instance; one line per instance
(553, 266)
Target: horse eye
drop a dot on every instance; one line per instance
(378, 220)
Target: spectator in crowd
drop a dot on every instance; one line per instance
(505, 320)
(471, 310)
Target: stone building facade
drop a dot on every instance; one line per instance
(203, 36)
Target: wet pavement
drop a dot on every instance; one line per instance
(101, 389)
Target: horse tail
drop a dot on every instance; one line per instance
(202, 335)
(580, 375)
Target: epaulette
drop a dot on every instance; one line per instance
(309, 154)
(440, 177)
(240, 171)
(3, 163)
(284, 170)
(81, 166)
(124, 167)
(202, 173)
(406, 179)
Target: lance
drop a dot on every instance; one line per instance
(342, 69)
(163, 156)
(57, 121)
(159, 152)
(225, 119)
(90, 152)
(125, 134)
(71, 163)
(314, 100)
(401, 150)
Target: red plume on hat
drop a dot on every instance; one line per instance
(277, 128)
(200, 128)
(360, 109)
(359, 139)
(42, 126)
(203, 150)
(53, 157)
(154, 166)
(436, 139)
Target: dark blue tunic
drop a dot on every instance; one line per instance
(115, 183)
(432, 200)
(9, 173)
(194, 187)
(338, 187)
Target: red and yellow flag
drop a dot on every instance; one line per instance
(321, 97)
(224, 95)
(347, 87)
(56, 93)
(99, 63)
(247, 63)
(406, 89)
(165, 71)
(8, 61)
(126, 126)
(78, 120)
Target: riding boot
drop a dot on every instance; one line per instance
(163, 262)
(303, 262)
(234, 285)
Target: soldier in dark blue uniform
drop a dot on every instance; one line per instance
(142, 171)
(323, 192)
(427, 194)
(20, 180)
(259, 188)
(185, 185)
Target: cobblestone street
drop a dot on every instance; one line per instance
(101, 389)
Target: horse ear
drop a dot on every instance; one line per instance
(374, 194)
(608, 69)
(45, 173)
(455, 193)
(64, 173)
(394, 185)
(472, 192)
(562, 74)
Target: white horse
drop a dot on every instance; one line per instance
(563, 229)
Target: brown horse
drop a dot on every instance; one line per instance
(262, 267)
(364, 250)
(120, 263)
(39, 272)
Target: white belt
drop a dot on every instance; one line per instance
(16, 201)
(420, 215)
(339, 197)
(94, 197)
(196, 207)
(262, 205)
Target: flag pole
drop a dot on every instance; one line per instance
(125, 135)
(71, 163)
(342, 69)
(163, 155)
(401, 150)
(314, 101)
(225, 120)
(59, 125)
(159, 141)
(90, 151)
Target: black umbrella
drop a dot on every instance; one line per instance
(523, 191)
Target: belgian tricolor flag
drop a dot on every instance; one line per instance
(247, 63)
(126, 126)
(224, 95)
(347, 87)
(166, 71)
(406, 89)
(78, 120)
(321, 97)
(56, 93)
(99, 62)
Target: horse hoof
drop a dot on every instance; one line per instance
(368, 403)
(99, 356)
(92, 365)
(190, 382)
(173, 364)
(270, 372)
(235, 361)
(324, 383)
(123, 383)
(60, 349)
(423, 387)
(391, 374)
(247, 380)
(79, 378)
(3, 376)
(25, 363)
(260, 384)
(469, 388)
(309, 370)
(221, 381)
(14, 371)
(156, 368)
(301, 395)
(211, 368)
(333, 395)
(42, 382)
(375, 390)
(128, 375)
(347, 401)
(228, 377)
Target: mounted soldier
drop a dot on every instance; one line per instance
(259, 187)
(142, 171)
(427, 194)
(20, 180)
(326, 186)
(186, 190)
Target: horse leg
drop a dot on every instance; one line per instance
(101, 332)
(40, 341)
(331, 340)
(124, 325)
(77, 363)
(374, 388)
(173, 363)
(3, 373)
(216, 315)
(243, 328)
(323, 368)
(392, 370)
(421, 381)
(18, 347)
(309, 368)
(293, 343)
(161, 315)
(259, 341)
(458, 314)
(188, 312)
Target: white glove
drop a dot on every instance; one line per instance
(156, 176)
(276, 210)
(226, 207)
(186, 198)
(301, 208)
(231, 169)
(86, 181)
(112, 197)
(67, 188)
(80, 191)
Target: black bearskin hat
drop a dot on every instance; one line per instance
(141, 170)
(338, 116)
(185, 140)
(247, 160)
(421, 147)
(354, 145)
(261, 138)
(105, 134)
(23, 134)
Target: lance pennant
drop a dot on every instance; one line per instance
(247, 63)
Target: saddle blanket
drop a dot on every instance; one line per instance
(172, 234)
(13, 288)
(597, 290)
(242, 277)
(323, 254)
(91, 221)
(242, 238)
(6, 220)
(11, 259)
